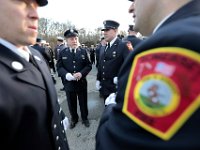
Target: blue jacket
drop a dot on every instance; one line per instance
(158, 92)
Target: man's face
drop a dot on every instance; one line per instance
(72, 42)
(144, 13)
(19, 21)
(110, 34)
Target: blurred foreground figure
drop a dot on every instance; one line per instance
(31, 118)
(158, 97)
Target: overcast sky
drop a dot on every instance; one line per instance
(88, 14)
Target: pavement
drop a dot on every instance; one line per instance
(80, 137)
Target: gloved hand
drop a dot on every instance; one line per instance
(65, 123)
(111, 99)
(98, 86)
(78, 75)
(115, 80)
(70, 77)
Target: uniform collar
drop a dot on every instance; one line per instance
(75, 49)
(19, 51)
(111, 43)
(162, 22)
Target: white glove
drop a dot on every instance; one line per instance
(115, 80)
(98, 86)
(111, 99)
(65, 123)
(70, 77)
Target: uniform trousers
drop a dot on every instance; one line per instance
(72, 97)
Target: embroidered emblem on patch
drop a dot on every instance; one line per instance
(156, 95)
(163, 90)
(129, 45)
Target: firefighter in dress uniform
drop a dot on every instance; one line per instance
(111, 59)
(73, 66)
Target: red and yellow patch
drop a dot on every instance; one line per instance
(163, 90)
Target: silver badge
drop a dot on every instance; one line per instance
(38, 58)
(17, 65)
(71, 30)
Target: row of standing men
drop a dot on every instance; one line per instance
(73, 65)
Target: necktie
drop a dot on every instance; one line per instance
(73, 52)
(107, 46)
(32, 60)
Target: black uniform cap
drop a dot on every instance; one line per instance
(110, 24)
(71, 33)
(60, 39)
(42, 2)
(38, 40)
(131, 28)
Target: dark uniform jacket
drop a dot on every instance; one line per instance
(30, 114)
(109, 65)
(58, 49)
(130, 123)
(67, 64)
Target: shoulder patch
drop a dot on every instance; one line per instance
(163, 90)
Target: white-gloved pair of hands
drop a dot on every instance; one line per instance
(77, 76)
(98, 86)
(111, 99)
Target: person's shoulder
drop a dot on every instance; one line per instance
(34, 51)
(82, 49)
(181, 26)
(124, 45)
(65, 49)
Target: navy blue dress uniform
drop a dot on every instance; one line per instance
(111, 59)
(73, 62)
(31, 117)
(158, 96)
(132, 38)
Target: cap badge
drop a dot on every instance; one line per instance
(71, 30)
